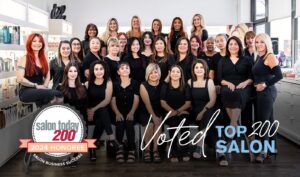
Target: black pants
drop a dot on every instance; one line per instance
(246, 116)
(174, 122)
(102, 122)
(265, 100)
(39, 96)
(128, 126)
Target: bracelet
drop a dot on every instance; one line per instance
(34, 85)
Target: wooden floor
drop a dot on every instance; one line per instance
(287, 164)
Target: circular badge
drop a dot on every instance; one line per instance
(58, 124)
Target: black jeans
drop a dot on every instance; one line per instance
(265, 100)
(128, 126)
(102, 122)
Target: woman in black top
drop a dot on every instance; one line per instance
(150, 95)
(136, 60)
(33, 74)
(250, 46)
(235, 78)
(91, 31)
(99, 96)
(221, 40)
(266, 73)
(92, 56)
(122, 37)
(209, 53)
(184, 57)
(112, 59)
(176, 33)
(175, 97)
(77, 55)
(198, 29)
(147, 45)
(124, 103)
(162, 57)
(57, 66)
(203, 95)
(157, 28)
(75, 94)
(196, 46)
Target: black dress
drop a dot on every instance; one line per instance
(164, 66)
(186, 65)
(137, 67)
(200, 97)
(72, 99)
(38, 96)
(113, 66)
(235, 73)
(154, 96)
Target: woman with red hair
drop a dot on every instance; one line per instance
(33, 74)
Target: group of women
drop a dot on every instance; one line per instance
(141, 74)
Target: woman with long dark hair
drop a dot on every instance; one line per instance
(177, 32)
(91, 31)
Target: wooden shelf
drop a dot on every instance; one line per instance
(7, 102)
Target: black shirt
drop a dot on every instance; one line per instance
(88, 60)
(86, 46)
(175, 97)
(247, 54)
(208, 59)
(137, 67)
(96, 94)
(73, 100)
(164, 66)
(113, 66)
(125, 96)
(235, 73)
(174, 39)
(200, 97)
(215, 65)
(186, 65)
(56, 72)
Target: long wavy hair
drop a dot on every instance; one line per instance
(80, 54)
(30, 68)
(65, 89)
(166, 54)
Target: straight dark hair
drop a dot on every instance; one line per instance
(86, 35)
(239, 42)
(92, 74)
(181, 81)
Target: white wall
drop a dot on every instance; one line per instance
(215, 12)
(82, 12)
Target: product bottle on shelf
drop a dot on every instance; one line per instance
(6, 35)
(1, 35)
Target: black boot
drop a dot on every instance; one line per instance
(93, 155)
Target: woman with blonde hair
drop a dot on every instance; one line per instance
(198, 28)
(266, 73)
(112, 28)
(136, 30)
(150, 95)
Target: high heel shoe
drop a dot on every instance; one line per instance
(93, 155)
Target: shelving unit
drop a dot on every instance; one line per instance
(29, 19)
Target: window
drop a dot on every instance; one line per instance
(281, 29)
(260, 28)
(260, 9)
